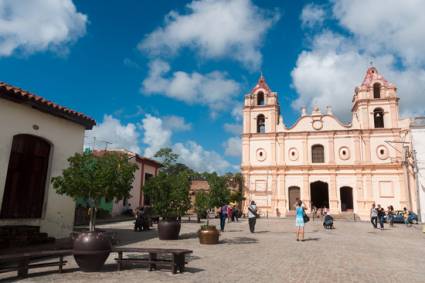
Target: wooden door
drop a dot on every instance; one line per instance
(26, 178)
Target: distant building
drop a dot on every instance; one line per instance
(146, 168)
(37, 137)
(418, 141)
(325, 162)
(197, 185)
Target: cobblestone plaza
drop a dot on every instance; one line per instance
(353, 252)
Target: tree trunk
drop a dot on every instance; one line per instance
(92, 225)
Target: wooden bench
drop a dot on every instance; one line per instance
(22, 262)
(177, 261)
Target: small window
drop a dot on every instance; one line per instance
(317, 154)
(261, 124)
(376, 90)
(378, 117)
(260, 98)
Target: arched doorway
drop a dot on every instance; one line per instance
(293, 195)
(346, 194)
(319, 194)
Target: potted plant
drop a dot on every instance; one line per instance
(208, 234)
(169, 194)
(92, 177)
(217, 196)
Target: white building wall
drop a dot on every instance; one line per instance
(66, 139)
(418, 141)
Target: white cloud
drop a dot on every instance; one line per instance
(393, 26)
(37, 25)
(312, 15)
(215, 29)
(176, 123)
(199, 159)
(112, 134)
(233, 147)
(335, 64)
(212, 89)
(235, 129)
(156, 136)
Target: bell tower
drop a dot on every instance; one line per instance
(261, 114)
(375, 102)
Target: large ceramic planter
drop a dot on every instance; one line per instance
(208, 235)
(91, 249)
(168, 229)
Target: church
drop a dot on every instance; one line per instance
(325, 162)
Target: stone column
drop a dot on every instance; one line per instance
(305, 151)
(305, 190)
(357, 150)
(281, 158)
(333, 195)
(273, 153)
(367, 148)
(332, 149)
(358, 192)
(274, 194)
(369, 191)
(404, 202)
(282, 196)
(245, 152)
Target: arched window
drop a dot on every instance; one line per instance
(378, 117)
(317, 153)
(261, 124)
(26, 177)
(377, 90)
(260, 98)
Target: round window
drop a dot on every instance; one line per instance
(261, 154)
(293, 154)
(382, 152)
(344, 153)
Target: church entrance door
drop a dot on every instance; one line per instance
(294, 194)
(346, 198)
(319, 194)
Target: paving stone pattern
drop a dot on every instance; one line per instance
(353, 252)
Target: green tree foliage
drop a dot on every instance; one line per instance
(202, 204)
(169, 194)
(169, 162)
(219, 191)
(92, 177)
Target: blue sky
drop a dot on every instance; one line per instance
(174, 73)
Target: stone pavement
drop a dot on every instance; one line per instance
(353, 252)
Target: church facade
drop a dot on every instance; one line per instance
(324, 162)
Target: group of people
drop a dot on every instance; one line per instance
(229, 213)
(378, 213)
(143, 218)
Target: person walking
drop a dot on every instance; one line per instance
(252, 216)
(299, 221)
(381, 214)
(374, 216)
(406, 217)
(229, 214)
(223, 217)
(235, 213)
(390, 214)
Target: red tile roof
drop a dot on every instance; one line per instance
(21, 96)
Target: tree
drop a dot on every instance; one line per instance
(167, 157)
(169, 194)
(93, 177)
(202, 204)
(219, 192)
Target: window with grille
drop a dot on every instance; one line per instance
(317, 154)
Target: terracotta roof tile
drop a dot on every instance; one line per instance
(21, 96)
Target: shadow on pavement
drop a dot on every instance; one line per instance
(191, 235)
(129, 236)
(311, 239)
(239, 241)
